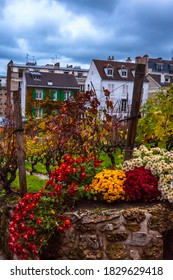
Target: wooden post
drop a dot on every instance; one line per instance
(136, 102)
(20, 142)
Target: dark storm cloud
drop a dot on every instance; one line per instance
(76, 31)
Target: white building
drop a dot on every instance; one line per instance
(118, 77)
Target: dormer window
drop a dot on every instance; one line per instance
(123, 72)
(171, 67)
(49, 83)
(167, 79)
(36, 75)
(159, 66)
(109, 70)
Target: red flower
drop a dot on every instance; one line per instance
(140, 184)
(39, 221)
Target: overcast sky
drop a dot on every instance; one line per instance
(77, 31)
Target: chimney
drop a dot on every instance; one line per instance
(128, 59)
(57, 64)
(111, 58)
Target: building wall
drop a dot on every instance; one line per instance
(47, 105)
(3, 95)
(15, 73)
(119, 90)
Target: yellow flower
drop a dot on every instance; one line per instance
(109, 183)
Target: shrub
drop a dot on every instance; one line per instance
(108, 185)
(140, 184)
(160, 163)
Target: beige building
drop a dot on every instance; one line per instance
(160, 74)
(3, 95)
(15, 74)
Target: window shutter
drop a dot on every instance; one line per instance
(62, 95)
(34, 112)
(44, 111)
(34, 94)
(44, 94)
(58, 95)
(52, 95)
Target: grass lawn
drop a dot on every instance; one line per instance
(34, 183)
(39, 167)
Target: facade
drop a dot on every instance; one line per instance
(160, 74)
(118, 77)
(43, 93)
(3, 95)
(15, 73)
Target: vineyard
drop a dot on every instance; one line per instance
(70, 148)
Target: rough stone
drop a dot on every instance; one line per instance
(116, 251)
(90, 241)
(116, 236)
(138, 239)
(84, 228)
(93, 254)
(154, 251)
(132, 226)
(157, 220)
(134, 255)
(104, 215)
(109, 227)
(134, 215)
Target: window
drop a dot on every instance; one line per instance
(67, 94)
(49, 83)
(123, 105)
(39, 94)
(54, 95)
(159, 66)
(171, 68)
(39, 113)
(167, 79)
(110, 72)
(80, 75)
(124, 73)
(82, 88)
(35, 75)
(20, 73)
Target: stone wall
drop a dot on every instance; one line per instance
(129, 233)
(134, 233)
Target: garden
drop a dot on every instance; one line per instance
(81, 151)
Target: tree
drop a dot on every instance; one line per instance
(155, 128)
(79, 128)
(8, 159)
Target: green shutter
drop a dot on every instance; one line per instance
(72, 93)
(58, 95)
(62, 95)
(34, 112)
(44, 94)
(34, 94)
(52, 95)
(44, 111)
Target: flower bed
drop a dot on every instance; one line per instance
(147, 177)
